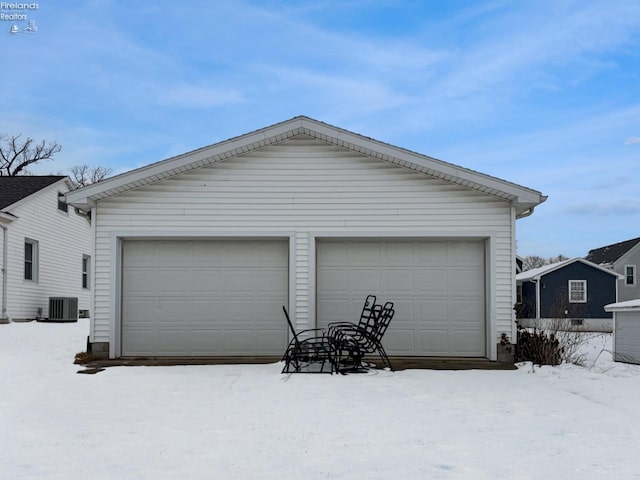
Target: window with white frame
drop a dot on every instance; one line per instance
(86, 271)
(630, 275)
(577, 291)
(30, 259)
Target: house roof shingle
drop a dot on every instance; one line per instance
(609, 254)
(14, 189)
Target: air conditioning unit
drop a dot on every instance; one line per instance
(63, 309)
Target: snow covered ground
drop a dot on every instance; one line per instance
(251, 422)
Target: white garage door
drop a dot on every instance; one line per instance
(204, 297)
(438, 288)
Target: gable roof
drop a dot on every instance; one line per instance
(524, 199)
(536, 273)
(14, 189)
(611, 253)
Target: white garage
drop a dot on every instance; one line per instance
(437, 286)
(195, 255)
(204, 297)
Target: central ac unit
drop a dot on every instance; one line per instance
(63, 309)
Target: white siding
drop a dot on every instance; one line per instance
(63, 238)
(306, 188)
(627, 337)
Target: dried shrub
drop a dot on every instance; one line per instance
(538, 347)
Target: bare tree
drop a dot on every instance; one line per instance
(16, 154)
(534, 261)
(83, 175)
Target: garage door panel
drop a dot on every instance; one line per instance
(462, 341)
(465, 281)
(365, 253)
(240, 311)
(239, 341)
(431, 254)
(204, 309)
(270, 311)
(364, 281)
(203, 340)
(242, 282)
(400, 341)
(173, 282)
(333, 281)
(399, 281)
(333, 254)
(338, 310)
(433, 310)
(141, 282)
(208, 281)
(272, 281)
(431, 281)
(435, 341)
(222, 297)
(466, 310)
(169, 310)
(465, 254)
(437, 288)
(168, 256)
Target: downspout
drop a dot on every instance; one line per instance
(4, 318)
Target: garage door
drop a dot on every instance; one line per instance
(204, 297)
(438, 288)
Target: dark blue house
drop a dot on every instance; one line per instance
(574, 290)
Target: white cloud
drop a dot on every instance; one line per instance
(632, 141)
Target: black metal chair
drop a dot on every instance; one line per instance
(352, 343)
(369, 312)
(308, 355)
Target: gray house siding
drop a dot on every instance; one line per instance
(629, 291)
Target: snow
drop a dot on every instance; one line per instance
(629, 305)
(251, 422)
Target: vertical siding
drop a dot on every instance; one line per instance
(310, 188)
(63, 238)
(302, 280)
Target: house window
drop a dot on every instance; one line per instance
(577, 291)
(630, 275)
(519, 294)
(86, 270)
(62, 205)
(30, 260)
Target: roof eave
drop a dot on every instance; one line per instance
(524, 199)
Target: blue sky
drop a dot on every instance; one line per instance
(545, 94)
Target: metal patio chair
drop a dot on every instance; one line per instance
(313, 354)
(351, 344)
(369, 311)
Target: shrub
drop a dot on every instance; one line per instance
(538, 347)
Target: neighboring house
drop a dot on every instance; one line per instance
(197, 254)
(623, 258)
(574, 291)
(626, 330)
(45, 247)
